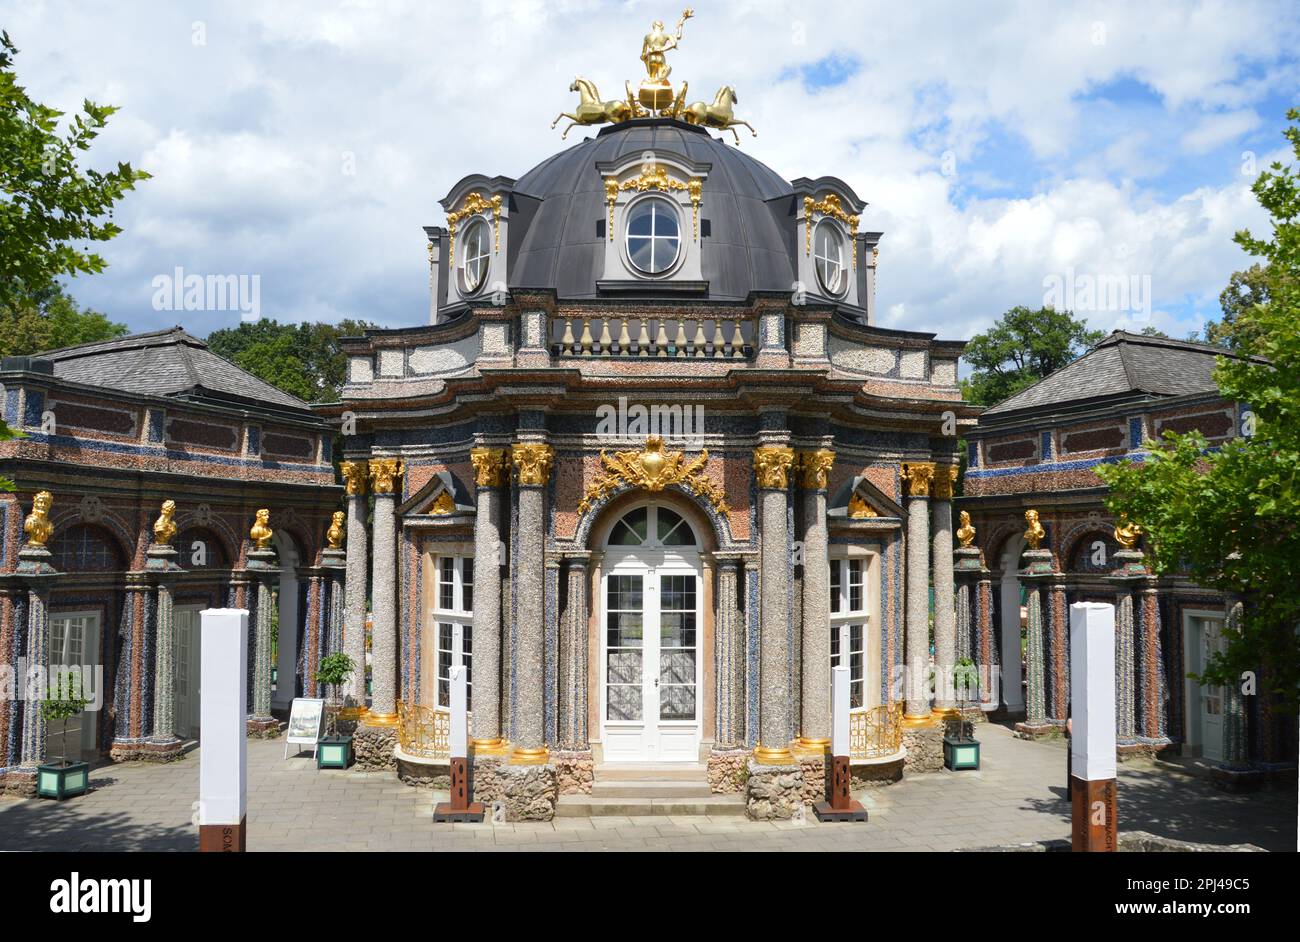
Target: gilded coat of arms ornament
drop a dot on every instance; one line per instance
(859, 509)
(653, 469)
(444, 504)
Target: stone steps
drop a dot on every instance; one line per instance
(652, 788)
(584, 806)
(651, 772)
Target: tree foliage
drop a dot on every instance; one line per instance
(303, 360)
(50, 319)
(1020, 349)
(1246, 290)
(1231, 517)
(48, 205)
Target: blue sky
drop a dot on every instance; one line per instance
(998, 145)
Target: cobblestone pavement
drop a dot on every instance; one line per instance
(1018, 795)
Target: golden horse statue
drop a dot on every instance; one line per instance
(591, 110)
(719, 114)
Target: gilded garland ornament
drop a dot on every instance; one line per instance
(490, 466)
(1034, 532)
(771, 462)
(335, 534)
(655, 177)
(354, 476)
(532, 461)
(261, 534)
(653, 469)
(37, 526)
(945, 476)
(164, 528)
(1127, 532)
(473, 205)
(966, 532)
(828, 205)
(919, 477)
(384, 473)
(815, 467)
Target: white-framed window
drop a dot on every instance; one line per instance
(849, 623)
(453, 622)
(654, 238)
(477, 254)
(828, 257)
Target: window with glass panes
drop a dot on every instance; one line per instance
(453, 607)
(849, 620)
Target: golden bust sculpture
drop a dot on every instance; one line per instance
(966, 532)
(1035, 532)
(164, 528)
(1127, 532)
(262, 533)
(334, 535)
(37, 526)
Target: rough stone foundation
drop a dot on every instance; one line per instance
(574, 772)
(816, 774)
(265, 729)
(529, 792)
(774, 792)
(19, 784)
(373, 748)
(727, 771)
(924, 745)
(422, 773)
(1046, 731)
(146, 751)
(874, 776)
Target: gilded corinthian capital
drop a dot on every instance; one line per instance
(384, 473)
(771, 462)
(918, 477)
(532, 461)
(815, 467)
(945, 476)
(354, 476)
(489, 466)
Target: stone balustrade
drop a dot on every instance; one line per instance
(658, 337)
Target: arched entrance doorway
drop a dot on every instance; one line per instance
(651, 634)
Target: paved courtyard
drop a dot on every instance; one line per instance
(1018, 795)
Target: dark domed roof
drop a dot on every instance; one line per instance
(749, 208)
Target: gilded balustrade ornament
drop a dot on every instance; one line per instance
(859, 509)
(966, 532)
(1034, 533)
(164, 528)
(261, 533)
(653, 469)
(945, 476)
(384, 473)
(532, 461)
(1127, 532)
(473, 205)
(490, 466)
(334, 535)
(37, 526)
(771, 462)
(815, 467)
(354, 476)
(919, 477)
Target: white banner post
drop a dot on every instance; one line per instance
(1092, 741)
(223, 733)
(840, 806)
(460, 808)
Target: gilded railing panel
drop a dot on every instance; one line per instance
(423, 731)
(877, 732)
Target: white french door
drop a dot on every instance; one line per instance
(1205, 703)
(74, 650)
(651, 619)
(186, 654)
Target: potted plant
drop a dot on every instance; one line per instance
(962, 751)
(63, 779)
(334, 751)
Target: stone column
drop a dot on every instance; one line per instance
(728, 655)
(385, 476)
(333, 580)
(771, 464)
(1037, 573)
(815, 655)
(262, 565)
(945, 613)
(39, 574)
(1234, 707)
(918, 478)
(491, 471)
(1058, 656)
(572, 688)
(1130, 572)
(973, 637)
(162, 565)
(354, 605)
(532, 462)
(1151, 722)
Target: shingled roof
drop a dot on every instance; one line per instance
(166, 363)
(1121, 364)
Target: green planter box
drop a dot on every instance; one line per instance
(961, 754)
(275, 675)
(334, 752)
(62, 781)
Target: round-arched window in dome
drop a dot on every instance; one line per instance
(829, 258)
(653, 236)
(477, 254)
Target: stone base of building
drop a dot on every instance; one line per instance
(816, 776)
(924, 745)
(774, 792)
(419, 772)
(1139, 751)
(20, 783)
(575, 770)
(264, 728)
(163, 750)
(1033, 731)
(877, 774)
(1237, 779)
(374, 748)
(526, 792)
(727, 771)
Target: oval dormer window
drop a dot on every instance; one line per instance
(829, 257)
(477, 253)
(653, 236)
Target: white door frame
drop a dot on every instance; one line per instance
(88, 720)
(1009, 605)
(193, 699)
(1192, 647)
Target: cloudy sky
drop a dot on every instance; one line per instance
(998, 144)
